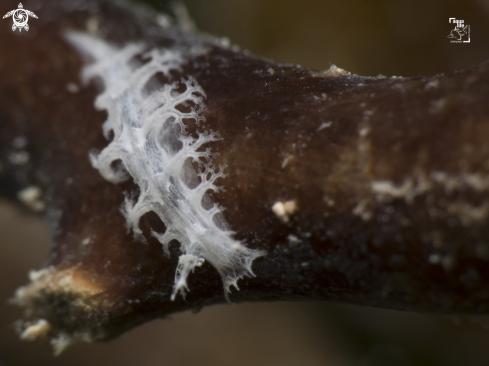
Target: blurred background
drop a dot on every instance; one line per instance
(407, 38)
(365, 37)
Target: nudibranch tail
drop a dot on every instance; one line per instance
(151, 145)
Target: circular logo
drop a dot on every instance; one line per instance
(20, 18)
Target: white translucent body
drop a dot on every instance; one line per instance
(150, 145)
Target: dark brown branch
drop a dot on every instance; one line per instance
(380, 186)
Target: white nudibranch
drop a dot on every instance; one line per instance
(149, 144)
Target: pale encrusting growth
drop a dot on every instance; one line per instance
(150, 144)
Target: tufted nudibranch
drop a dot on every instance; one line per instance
(180, 153)
(150, 141)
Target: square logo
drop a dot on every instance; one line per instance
(461, 32)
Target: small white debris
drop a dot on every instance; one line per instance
(361, 210)
(72, 88)
(279, 210)
(36, 275)
(329, 201)
(290, 207)
(286, 160)
(92, 25)
(271, 71)
(164, 21)
(19, 158)
(36, 330)
(224, 42)
(86, 241)
(324, 125)
(30, 194)
(364, 131)
(19, 142)
(293, 240)
(30, 197)
(387, 188)
(62, 342)
(433, 84)
(284, 209)
(331, 72)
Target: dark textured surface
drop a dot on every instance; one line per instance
(420, 249)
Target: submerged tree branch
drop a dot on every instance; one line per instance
(370, 191)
